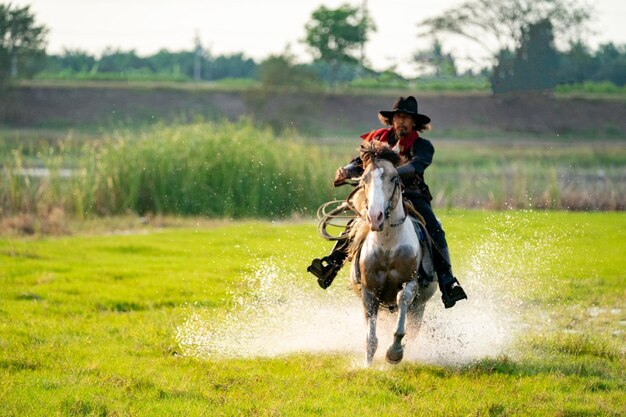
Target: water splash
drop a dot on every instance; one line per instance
(274, 314)
(499, 281)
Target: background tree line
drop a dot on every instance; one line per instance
(519, 36)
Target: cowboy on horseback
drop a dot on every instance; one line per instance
(403, 136)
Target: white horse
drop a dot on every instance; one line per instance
(385, 269)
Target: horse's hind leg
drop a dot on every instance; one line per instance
(370, 304)
(417, 307)
(395, 351)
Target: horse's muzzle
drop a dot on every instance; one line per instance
(376, 220)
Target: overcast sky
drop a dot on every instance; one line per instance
(255, 27)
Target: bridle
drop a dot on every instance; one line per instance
(393, 201)
(390, 205)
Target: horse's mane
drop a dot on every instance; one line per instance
(358, 233)
(373, 150)
(370, 152)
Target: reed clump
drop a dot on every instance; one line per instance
(209, 169)
(238, 170)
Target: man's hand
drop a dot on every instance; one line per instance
(341, 176)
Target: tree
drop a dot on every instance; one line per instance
(499, 25)
(178, 64)
(611, 64)
(344, 74)
(198, 58)
(434, 59)
(22, 41)
(534, 65)
(281, 71)
(72, 61)
(576, 64)
(335, 36)
(114, 60)
(231, 66)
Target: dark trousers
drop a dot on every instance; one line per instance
(433, 226)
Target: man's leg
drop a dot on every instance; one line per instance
(326, 269)
(450, 288)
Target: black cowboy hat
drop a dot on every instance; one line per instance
(406, 105)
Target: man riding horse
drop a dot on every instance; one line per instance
(403, 136)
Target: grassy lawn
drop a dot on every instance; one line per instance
(221, 319)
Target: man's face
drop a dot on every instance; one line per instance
(403, 124)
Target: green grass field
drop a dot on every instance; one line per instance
(220, 319)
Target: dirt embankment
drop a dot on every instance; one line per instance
(317, 113)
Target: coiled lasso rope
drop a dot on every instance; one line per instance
(336, 213)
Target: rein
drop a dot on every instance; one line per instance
(396, 186)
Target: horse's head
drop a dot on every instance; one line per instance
(380, 182)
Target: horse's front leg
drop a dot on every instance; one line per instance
(395, 351)
(416, 309)
(370, 305)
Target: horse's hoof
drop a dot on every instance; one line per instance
(394, 357)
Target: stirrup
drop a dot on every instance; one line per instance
(325, 273)
(452, 292)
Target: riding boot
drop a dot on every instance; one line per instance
(326, 269)
(450, 288)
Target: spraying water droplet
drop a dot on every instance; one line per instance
(273, 314)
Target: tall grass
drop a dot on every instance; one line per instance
(238, 170)
(530, 184)
(226, 169)
(522, 174)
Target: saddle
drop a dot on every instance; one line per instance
(424, 278)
